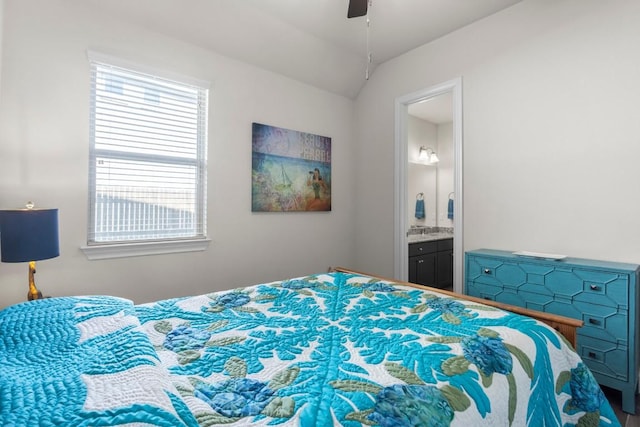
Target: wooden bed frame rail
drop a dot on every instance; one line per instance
(564, 325)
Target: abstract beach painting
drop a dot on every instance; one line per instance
(291, 170)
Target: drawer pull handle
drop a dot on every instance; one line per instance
(592, 355)
(594, 322)
(420, 261)
(487, 271)
(420, 249)
(594, 287)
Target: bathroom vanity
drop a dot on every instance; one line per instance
(431, 260)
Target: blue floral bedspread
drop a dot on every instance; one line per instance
(332, 349)
(82, 362)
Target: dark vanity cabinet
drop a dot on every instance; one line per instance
(431, 263)
(423, 258)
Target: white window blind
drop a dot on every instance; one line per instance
(147, 157)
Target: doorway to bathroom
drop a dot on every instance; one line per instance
(428, 121)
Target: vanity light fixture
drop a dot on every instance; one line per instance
(427, 155)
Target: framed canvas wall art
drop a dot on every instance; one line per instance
(291, 170)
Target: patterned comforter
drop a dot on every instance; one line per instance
(332, 349)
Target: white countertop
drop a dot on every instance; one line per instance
(416, 238)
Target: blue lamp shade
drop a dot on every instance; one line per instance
(28, 235)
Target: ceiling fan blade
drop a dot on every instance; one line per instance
(357, 8)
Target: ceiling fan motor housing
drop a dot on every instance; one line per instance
(357, 8)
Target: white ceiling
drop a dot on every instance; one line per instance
(308, 40)
(437, 110)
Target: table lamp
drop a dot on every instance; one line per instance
(29, 235)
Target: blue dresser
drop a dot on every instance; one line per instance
(601, 294)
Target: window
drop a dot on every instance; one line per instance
(147, 157)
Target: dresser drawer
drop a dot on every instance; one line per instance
(605, 323)
(478, 289)
(604, 358)
(600, 322)
(595, 287)
(494, 292)
(493, 271)
(514, 295)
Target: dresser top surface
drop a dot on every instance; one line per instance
(569, 261)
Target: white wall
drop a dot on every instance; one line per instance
(44, 153)
(550, 91)
(1, 31)
(550, 128)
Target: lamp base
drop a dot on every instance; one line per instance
(34, 293)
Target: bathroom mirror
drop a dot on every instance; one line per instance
(429, 178)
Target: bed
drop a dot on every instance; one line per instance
(340, 348)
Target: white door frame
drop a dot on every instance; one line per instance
(401, 245)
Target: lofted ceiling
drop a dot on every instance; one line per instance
(311, 41)
(437, 109)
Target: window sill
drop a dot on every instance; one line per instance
(124, 250)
